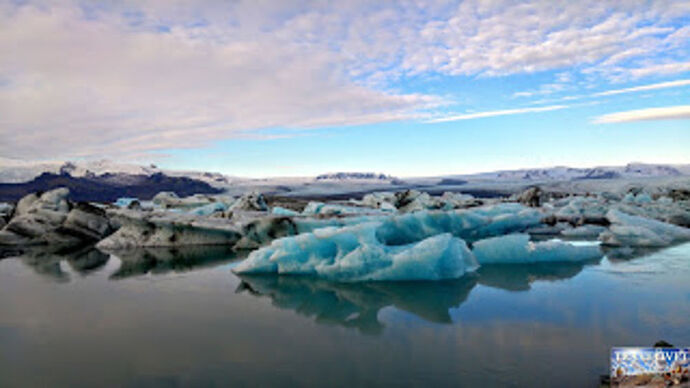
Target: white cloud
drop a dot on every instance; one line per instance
(660, 69)
(131, 77)
(494, 113)
(97, 86)
(681, 112)
(660, 85)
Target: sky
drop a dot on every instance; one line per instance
(293, 88)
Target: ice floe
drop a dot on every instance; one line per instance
(355, 253)
(637, 231)
(518, 249)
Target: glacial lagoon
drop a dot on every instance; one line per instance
(161, 317)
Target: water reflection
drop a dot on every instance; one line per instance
(141, 261)
(47, 262)
(519, 277)
(357, 305)
(192, 330)
(616, 254)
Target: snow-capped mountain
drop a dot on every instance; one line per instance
(631, 170)
(350, 176)
(13, 171)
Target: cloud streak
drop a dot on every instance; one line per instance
(495, 113)
(660, 85)
(680, 112)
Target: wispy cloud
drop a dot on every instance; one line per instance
(660, 69)
(660, 85)
(494, 113)
(680, 112)
(613, 92)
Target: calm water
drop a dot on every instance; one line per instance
(161, 318)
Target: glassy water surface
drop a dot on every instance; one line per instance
(182, 318)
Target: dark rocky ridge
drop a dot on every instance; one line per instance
(107, 187)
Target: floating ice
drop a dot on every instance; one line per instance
(422, 245)
(355, 253)
(125, 201)
(49, 219)
(584, 231)
(585, 209)
(469, 224)
(516, 248)
(168, 199)
(281, 211)
(636, 231)
(167, 229)
(209, 209)
(639, 198)
(320, 208)
(383, 200)
(252, 201)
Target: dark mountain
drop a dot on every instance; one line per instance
(107, 187)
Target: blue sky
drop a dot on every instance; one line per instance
(277, 88)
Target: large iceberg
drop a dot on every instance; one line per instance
(518, 249)
(161, 229)
(472, 224)
(424, 245)
(355, 253)
(51, 219)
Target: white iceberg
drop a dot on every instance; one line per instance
(581, 209)
(636, 231)
(584, 231)
(518, 249)
(324, 209)
(355, 253)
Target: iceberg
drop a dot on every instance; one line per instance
(467, 224)
(637, 231)
(424, 245)
(125, 201)
(578, 209)
(167, 229)
(355, 253)
(168, 199)
(211, 208)
(584, 231)
(320, 208)
(383, 200)
(281, 211)
(471, 224)
(252, 201)
(518, 249)
(52, 219)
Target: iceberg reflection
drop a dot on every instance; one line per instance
(141, 261)
(519, 277)
(47, 262)
(357, 305)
